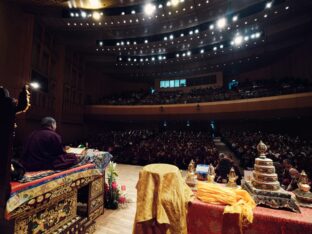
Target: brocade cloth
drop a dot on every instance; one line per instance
(162, 200)
(206, 218)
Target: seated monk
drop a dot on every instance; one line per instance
(44, 151)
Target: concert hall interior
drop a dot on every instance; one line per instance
(155, 116)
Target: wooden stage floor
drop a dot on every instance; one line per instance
(121, 221)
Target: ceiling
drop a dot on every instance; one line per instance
(176, 41)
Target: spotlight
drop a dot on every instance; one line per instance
(153, 59)
(72, 14)
(268, 5)
(165, 38)
(174, 2)
(129, 59)
(221, 23)
(182, 35)
(235, 18)
(149, 9)
(159, 57)
(238, 40)
(258, 35)
(202, 51)
(171, 37)
(117, 44)
(211, 26)
(177, 55)
(96, 15)
(133, 12)
(120, 59)
(215, 48)
(101, 43)
(196, 31)
(188, 53)
(83, 14)
(246, 38)
(221, 46)
(160, 6)
(34, 85)
(191, 32)
(145, 41)
(123, 13)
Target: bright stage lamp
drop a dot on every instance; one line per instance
(221, 23)
(238, 40)
(149, 9)
(96, 15)
(174, 2)
(34, 85)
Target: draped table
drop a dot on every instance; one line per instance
(162, 200)
(206, 218)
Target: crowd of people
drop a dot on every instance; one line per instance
(290, 154)
(141, 147)
(247, 89)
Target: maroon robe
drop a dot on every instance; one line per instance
(44, 150)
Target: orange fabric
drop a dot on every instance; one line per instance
(238, 201)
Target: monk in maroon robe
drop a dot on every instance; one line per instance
(44, 150)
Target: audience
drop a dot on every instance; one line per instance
(141, 147)
(247, 89)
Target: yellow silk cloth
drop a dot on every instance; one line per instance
(237, 200)
(162, 196)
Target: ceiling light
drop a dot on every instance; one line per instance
(183, 54)
(134, 43)
(134, 60)
(129, 59)
(171, 37)
(164, 57)
(235, 18)
(133, 12)
(122, 43)
(96, 15)
(128, 42)
(77, 15)
(72, 14)
(168, 3)
(215, 48)
(165, 38)
(258, 35)
(101, 43)
(221, 46)
(246, 38)
(182, 35)
(177, 55)
(141, 60)
(160, 6)
(211, 26)
(145, 41)
(159, 57)
(221, 23)
(117, 44)
(153, 59)
(174, 2)
(287, 7)
(268, 5)
(83, 14)
(188, 53)
(202, 51)
(238, 40)
(123, 13)
(265, 16)
(196, 31)
(120, 59)
(149, 9)
(191, 32)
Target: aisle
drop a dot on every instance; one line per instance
(121, 221)
(222, 148)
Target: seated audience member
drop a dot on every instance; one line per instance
(290, 176)
(223, 169)
(43, 149)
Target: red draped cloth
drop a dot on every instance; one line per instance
(206, 218)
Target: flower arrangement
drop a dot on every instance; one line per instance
(113, 195)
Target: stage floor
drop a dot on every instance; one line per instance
(121, 221)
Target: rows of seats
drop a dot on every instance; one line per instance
(244, 90)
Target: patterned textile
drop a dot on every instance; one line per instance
(99, 158)
(162, 199)
(24, 192)
(206, 218)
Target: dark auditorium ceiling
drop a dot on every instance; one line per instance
(176, 38)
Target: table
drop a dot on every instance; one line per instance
(162, 198)
(206, 218)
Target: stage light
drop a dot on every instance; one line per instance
(101, 43)
(145, 41)
(141, 60)
(174, 2)
(165, 38)
(34, 85)
(191, 32)
(123, 13)
(196, 31)
(117, 44)
(133, 12)
(159, 57)
(258, 35)
(153, 59)
(149, 9)
(246, 38)
(160, 6)
(72, 14)
(268, 5)
(171, 37)
(177, 55)
(202, 51)
(238, 40)
(96, 15)
(188, 53)
(215, 48)
(182, 35)
(221, 23)
(129, 59)
(120, 59)
(221, 46)
(83, 14)
(235, 18)
(122, 43)
(211, 26)
(77, 15)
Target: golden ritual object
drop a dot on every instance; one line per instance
(232, 179)
(303, 194)
(211, 174)
(191, 176)
(264, 186)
